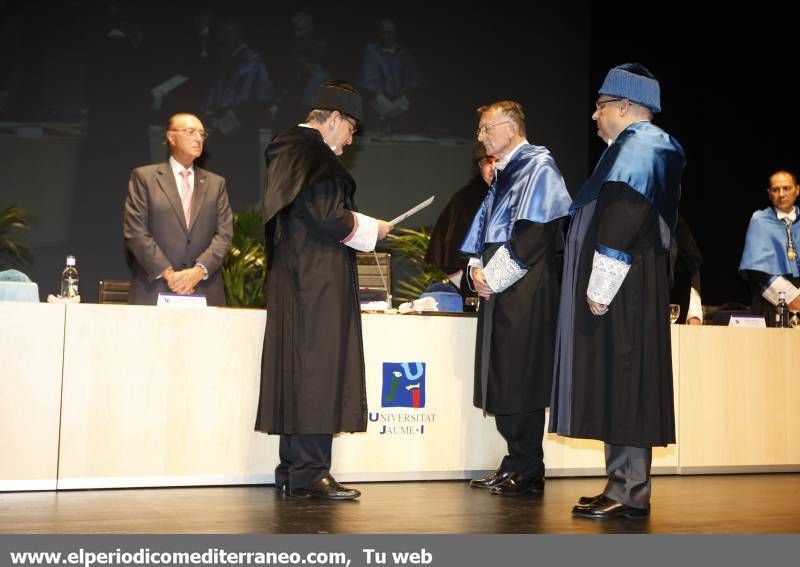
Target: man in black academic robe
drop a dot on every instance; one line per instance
(312, 381)
(454, 220)
(515, 242)
(613, 379)
(686, 259)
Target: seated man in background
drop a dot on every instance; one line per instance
(451, 226)
(391, 78)
(770, 259)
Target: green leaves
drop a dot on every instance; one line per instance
(15, 222)
(411, 245)
(245, 267)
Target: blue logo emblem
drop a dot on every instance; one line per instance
(403, 385)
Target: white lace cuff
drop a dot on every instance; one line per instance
(502, 271)
(475, 262)
(364, 235)
(780, 284)
(607, 276)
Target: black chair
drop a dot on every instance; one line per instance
(721, 314)
(370, 283)
(114, 291)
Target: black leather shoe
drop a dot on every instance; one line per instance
(518, 485)
(325, 488)
(604, 507)
(490, 480)
(586, 500)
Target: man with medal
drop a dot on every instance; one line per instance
(769, 261)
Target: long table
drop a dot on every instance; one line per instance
(100, 396)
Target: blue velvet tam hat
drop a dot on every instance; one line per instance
(446, 296)
(635, 83)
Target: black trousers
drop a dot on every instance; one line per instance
(304, 459)
(523, 434)
(628, 470)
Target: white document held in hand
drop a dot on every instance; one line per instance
(412, 210)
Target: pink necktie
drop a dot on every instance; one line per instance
(186, 196)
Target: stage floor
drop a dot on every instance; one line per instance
(718, 504)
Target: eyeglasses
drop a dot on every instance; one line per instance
(191, 132)
(781, 188)
(487, 127)
(600, 103)
(353, 127)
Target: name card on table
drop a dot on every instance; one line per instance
(176, 300)
(746, 321)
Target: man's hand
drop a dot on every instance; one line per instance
(185, 281)
(479, 280)
(168, 274)
(795, 304)
(694, 321)
(384, 228)
(597, 308)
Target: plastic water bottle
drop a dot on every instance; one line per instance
(69, 279)
(782, 311)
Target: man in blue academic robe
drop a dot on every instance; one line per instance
(515, 244)
(613, 377)
(770, 260)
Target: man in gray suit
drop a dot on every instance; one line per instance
(178, 222)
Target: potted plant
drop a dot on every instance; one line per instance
(411, 245)
(15, 222)
(245, 267)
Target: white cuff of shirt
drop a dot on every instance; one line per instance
(695, 305)
(202, 267)
(503, 271)
(606, 278)
(364, 235)
(780, 284)
(472, 263)
(456, 277)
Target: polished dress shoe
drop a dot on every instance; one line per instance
(491, 480)
(518, 485)
(604, 507)
(585, 500)
(325, 488)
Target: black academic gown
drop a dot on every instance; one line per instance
(523, 324)
(686, 260)
(614, 372)
(452, 225)
(312, 379)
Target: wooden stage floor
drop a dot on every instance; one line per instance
(717, 504)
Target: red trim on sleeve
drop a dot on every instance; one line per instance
(352, 234)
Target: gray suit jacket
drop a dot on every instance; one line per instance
(155, 231)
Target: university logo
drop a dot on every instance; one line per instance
(403, 385)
